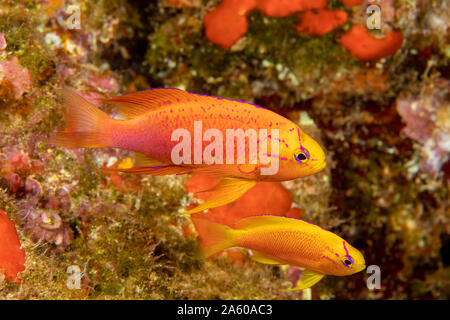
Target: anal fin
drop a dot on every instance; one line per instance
(228, 190)
(307, 280)
(263, 258)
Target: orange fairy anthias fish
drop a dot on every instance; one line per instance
(176, 132)
(281, 240)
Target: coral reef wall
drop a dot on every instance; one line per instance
(384, 122)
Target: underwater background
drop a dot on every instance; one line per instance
(377, 101)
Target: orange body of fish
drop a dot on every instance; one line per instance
(281, 240)
(176, 132)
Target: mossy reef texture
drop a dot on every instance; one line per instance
(124, 231)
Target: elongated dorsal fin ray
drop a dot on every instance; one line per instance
(134, 104)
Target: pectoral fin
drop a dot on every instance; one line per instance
(307, 280)
(228, 190)
(263, 258)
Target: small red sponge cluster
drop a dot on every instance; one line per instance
(365, 47)
(227, 23)
(12, 255)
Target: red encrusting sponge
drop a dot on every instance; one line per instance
(284, 8)
(351, 3)
(227, 22)
(12, 256)
(320, 22)
(363, 46)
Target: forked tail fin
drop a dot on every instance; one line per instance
(85, 124)
(214, 237)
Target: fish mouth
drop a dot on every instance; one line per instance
(361, 268)
(321, 166)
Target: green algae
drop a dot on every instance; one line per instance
(130, 242)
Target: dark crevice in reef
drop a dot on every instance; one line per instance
(132, 65)
(445, 249)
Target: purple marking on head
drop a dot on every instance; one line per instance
(336, 255)
(348, 255)
(325, 257)
(300, 142)
(274, 155)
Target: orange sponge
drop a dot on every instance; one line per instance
(321, 22)
(12, 256)
(363, 46)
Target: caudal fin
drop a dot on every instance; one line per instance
(85, 124)
(214, 237)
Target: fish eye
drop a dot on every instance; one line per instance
(301, 155)
(347, 261)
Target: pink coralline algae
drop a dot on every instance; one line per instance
(427, 119)
(18, 77)
(48, 225)
(2, 42)
(17, 161)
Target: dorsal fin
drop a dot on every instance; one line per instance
(265, 220)
(137, 103)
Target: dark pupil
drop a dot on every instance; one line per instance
(347, 262)
(301, 156)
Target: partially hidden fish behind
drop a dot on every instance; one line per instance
(151, 117)
(284, 241)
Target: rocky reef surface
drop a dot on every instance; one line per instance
(381, 114)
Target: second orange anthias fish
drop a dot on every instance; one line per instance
(282, 241)
(176, 132)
